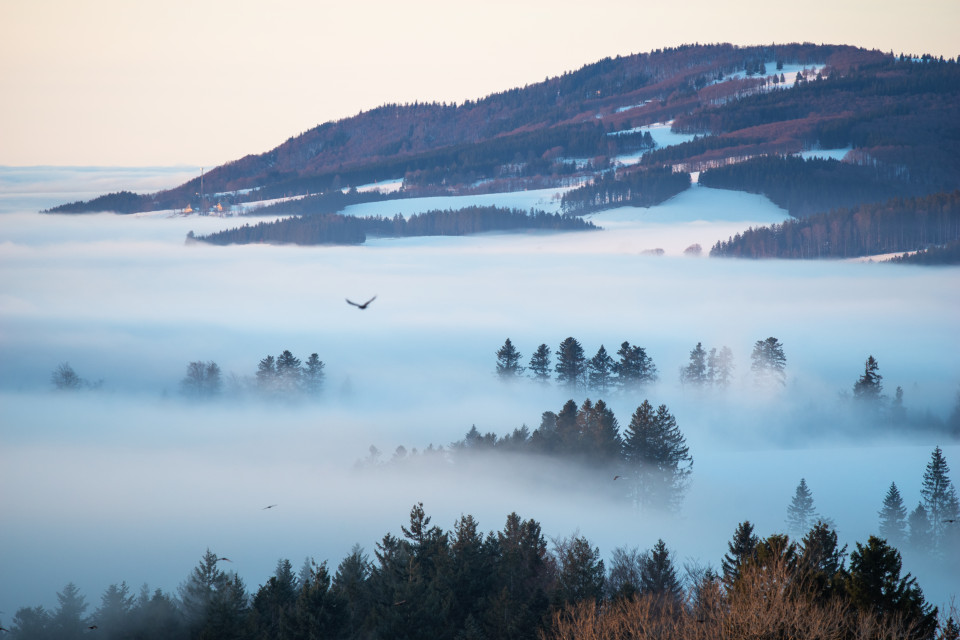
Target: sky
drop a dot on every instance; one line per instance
(132, 483)
(203, 82)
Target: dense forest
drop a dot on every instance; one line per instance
(634, 188)
(896, 225)
(334, 228)
(512, 584)
(804, 187)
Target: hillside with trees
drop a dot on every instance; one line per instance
(896, 225)
(895, 115)
(332, 228)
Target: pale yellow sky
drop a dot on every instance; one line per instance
(202, 82)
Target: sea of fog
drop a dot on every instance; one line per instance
(130, 482)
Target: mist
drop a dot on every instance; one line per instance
(131, 482)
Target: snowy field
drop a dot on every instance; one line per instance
(132, 483)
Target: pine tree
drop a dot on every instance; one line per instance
(571, 365)
(508, 361)
(658, 577)
(939, 498)
(288, 372)
(351, 584)
(869, 387)
(600, 371)
(800, 513)
(68, 620)
(313, 374)
(581, 573)
(634, 368)
(874, 584)
(656, 457)
(114, 616)
(742, 548)
(696, 371)
(540, 364)
(267, 375)
(893, 517)
(921, 536)
(768, 362)
(821, 560)
(720, 367)
(273, 605)
(600, 441)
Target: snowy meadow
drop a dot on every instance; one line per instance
(130, 482)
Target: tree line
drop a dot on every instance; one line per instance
(893, 226)
(511, 584)
(815, 185)
(332, 228)
(622, 188)
(634, 367)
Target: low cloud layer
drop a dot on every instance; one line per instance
(130, 482)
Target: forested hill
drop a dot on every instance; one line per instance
(893, 226)
(533, 132)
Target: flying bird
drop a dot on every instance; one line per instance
(361, 306)
(224, 560)
(92, 627)
(617, 477)
(269, 506)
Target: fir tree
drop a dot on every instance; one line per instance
(874, 584)
(540, 364)
(658, 577)
(600, 371)
(68, 620)
(581, 573)
(288, 372)
(893, 517)
(720, 367)
(313, 374)
(571, 365)
(508, 361)
(920, 533)
(742, 548)
(656, 457)
(869, 387)
(768, 362)
(634, 368)
(939, 497)
(696, 371)
(800, 513)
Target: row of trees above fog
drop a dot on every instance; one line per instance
(513, 584)
(634, 367)
(334, 228)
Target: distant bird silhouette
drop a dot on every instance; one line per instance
(617, 477)
(224, 560)
(92, 627)
(361, 306)
(269, 506)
